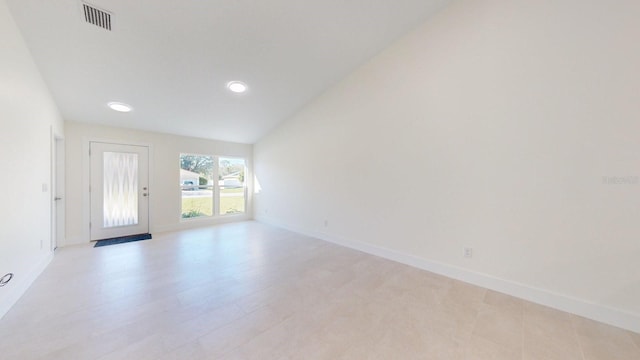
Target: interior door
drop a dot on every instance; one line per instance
(119, 190)
(57, 235)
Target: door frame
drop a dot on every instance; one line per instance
(58, 201)
(86, 180)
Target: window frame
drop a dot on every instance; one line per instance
(244, 186)
(215, 198)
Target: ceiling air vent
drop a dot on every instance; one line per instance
(96, 16)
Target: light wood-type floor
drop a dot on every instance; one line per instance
(251, 291)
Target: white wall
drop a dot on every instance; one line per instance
(164, 168)
(28, 118)
(489, 126)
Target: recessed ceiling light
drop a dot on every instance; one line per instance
(237, 86)
(118, 106)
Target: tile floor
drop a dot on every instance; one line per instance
(251, 291)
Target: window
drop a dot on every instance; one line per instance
(198, 190)
(196, 184)
(232, 186)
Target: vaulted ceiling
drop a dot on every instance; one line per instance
(172, 60)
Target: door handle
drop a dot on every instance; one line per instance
(145, 194)
(57, 198)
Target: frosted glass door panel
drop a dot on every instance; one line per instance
(120, 189)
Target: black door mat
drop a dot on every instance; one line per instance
(122, 240)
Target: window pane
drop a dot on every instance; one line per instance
(120, 195)
(231, 183)
(196, 185)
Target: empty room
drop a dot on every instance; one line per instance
(387, 179)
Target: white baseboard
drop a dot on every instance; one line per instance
(597, 312)
(12, 292)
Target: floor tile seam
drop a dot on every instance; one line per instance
(114, 351)
(578, 338)
(511, 348)
(173, 346)
(522, 332)
(238, 346)
(636, 343)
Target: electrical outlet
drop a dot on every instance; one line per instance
(468, 252)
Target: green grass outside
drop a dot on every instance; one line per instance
(203, 206)
(232, 191)
(231, 205)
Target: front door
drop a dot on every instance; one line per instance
(119, 190)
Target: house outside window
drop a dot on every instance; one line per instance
(202, 196)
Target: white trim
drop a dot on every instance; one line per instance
(216, 218)
(86, 181)
(53, 159)
(14, 290)
(58, 176)
(597, 312)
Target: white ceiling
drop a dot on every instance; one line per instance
(171, 60)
